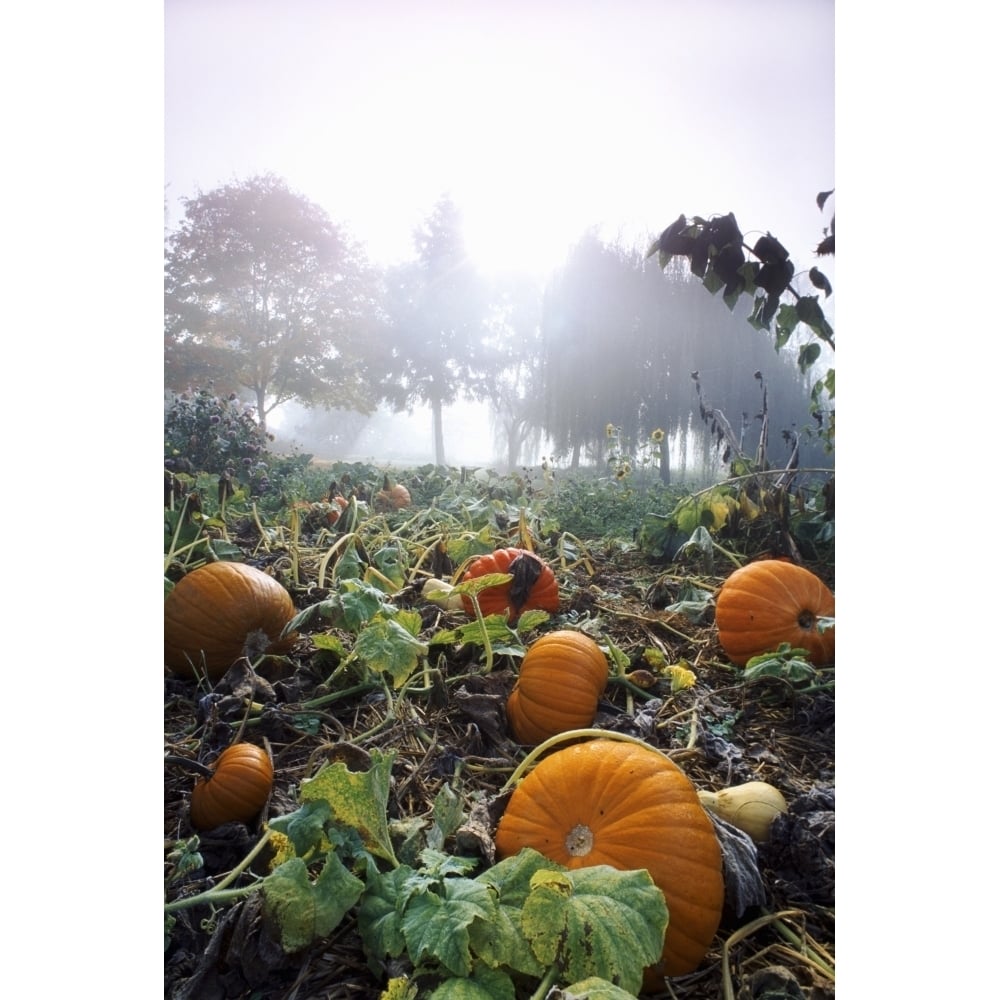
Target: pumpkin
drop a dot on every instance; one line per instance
(211, 610)
(392, 497)
(768, 602)
(239, 786)
(609, 802)
(533, 585)
(562, 677)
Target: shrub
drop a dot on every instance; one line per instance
(212, 433)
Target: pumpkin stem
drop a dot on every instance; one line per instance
(580, 841)
(807, 620)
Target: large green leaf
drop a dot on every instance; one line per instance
(596, 922)
(387, 645)
(437, 926)
(484, 984)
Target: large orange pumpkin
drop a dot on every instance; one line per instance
(768, 602)
(237, 790)
(562, 677)
(533, 585)
(608, 802)
(211, 611)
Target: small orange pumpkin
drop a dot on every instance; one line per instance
(562, 677)
(534, 584)
(608, 802)
(211, 610)
(768, 602)
(237, 790)
(392, 497)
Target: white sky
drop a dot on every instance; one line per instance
(540, 119)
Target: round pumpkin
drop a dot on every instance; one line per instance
(533, 585)
(608, 802)
(768, 602)
(237, 790)
(211, 611)
(562, 677)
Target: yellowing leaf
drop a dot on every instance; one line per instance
(357, 799)
(399, 988)
(306, 911)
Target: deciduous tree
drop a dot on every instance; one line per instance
(265, 294)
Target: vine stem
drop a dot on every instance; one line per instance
(757, 475)
(221, 893)
(548, 981)
(574, 734)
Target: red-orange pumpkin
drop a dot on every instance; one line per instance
(768, 602)
(209, 613)
(237, 790)
(562, 677)
(533, 585)
(607, 802)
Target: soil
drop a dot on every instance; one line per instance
(721, 732)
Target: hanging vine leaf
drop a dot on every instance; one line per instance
(811, 313)
(769, 251)
(820, 281)
(808, 355)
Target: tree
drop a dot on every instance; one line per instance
(620, 344)
(263, 293)
(436, 334)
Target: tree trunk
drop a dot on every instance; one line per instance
(438, 424)
(665, 461)
(261, 412)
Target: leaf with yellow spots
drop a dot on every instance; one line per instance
(357, 799)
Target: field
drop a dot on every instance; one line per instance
(403, 700)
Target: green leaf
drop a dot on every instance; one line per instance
(390, 561)
(389, 647)
(305, 911)
(811, 313)
(787, 321)
(379, 913)
(348, 609)
(808, 355)
(437, 927)
(305, 826)
(595, 988)
(596, 922)
(528, 620)
(484, 984)
(447, 816)
(496, 627)
(358, 799)
(712, 281)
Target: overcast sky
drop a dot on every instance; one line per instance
(539, 118)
